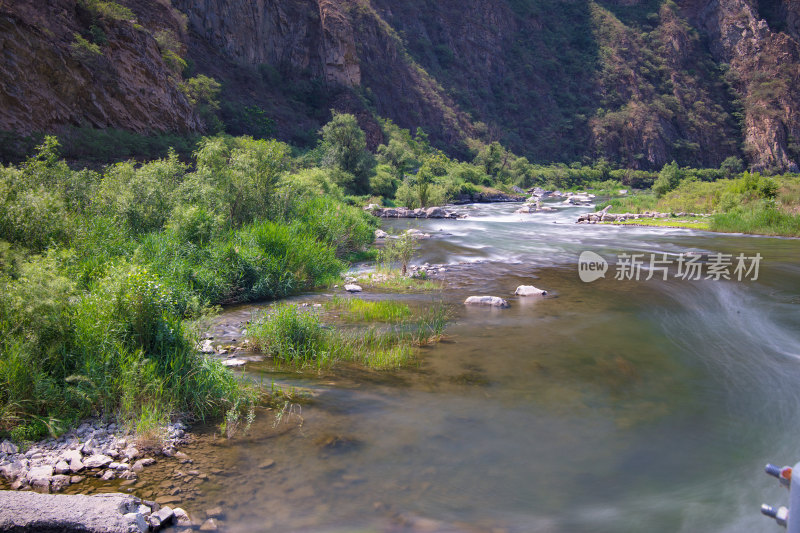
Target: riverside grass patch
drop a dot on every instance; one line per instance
(100, 272)
(751, 203)
(298, 337)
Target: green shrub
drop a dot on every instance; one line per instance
(108, 10)
(346, 228)
(194, 224)
(668, 179)
(398, 250)
(344, 147)
(310, 183)
(143, 197)
(84, 51)
(289, 334)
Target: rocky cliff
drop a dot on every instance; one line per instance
(50, 78)
(639, 82)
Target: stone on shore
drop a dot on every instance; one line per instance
(352, 287)
(182, 517)
(103, 513)
(97, 461)
(529, 290)
(162, 517)
(8, 447)
(209, 525)
(491, 301)
(206, 346)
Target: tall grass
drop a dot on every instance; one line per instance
(757, 219)
(99, 273)
(637, 203)
(358, 310)
(292, 335)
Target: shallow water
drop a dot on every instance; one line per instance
(613, 406)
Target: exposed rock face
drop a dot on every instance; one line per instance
(311, 35)
(44, 85)
(765, 70)
(553, 80)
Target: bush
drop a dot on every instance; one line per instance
(237, 178)
(84, 51)
(398, 250)
(669, 178)
(288, 334)
(344, 147)
(194, 224)
(346, 228)
(142, 198)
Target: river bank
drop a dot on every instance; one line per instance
(537, 416)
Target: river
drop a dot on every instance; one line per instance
(610, 406)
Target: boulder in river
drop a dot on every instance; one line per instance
(491, 301)
(529, 290)
(352, 287)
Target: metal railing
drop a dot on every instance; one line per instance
(782, 515)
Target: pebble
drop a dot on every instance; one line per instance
(51, 464)
(209, 525)
(214, 512)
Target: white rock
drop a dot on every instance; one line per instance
(493, 301)
(206, 346)
(58, 482)
(96, 461)
(131, 453)
(209, 525)
(137, 522)
(352, 287)
(71, 455)
(380, 234)
(14, 469)
(182, 517)
(529, 290)
(163, 515)
(62, 467)
(40, 472)
(141, 463)
(234, 362)
(108, 475)
(75, 465)
(8, 447)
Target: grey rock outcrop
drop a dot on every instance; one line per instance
(51, 513)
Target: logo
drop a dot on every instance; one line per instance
(591, 267)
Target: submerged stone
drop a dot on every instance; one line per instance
(529, 290)
(489, 301)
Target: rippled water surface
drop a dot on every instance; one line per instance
(613, 406)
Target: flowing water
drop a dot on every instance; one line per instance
(612, 406)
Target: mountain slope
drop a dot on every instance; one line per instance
(639, 83)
